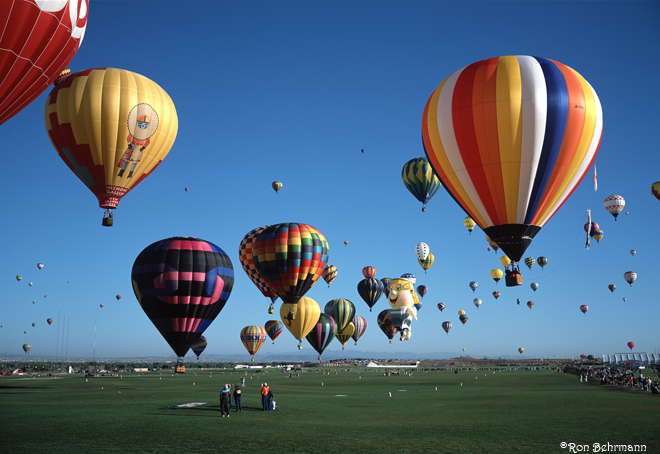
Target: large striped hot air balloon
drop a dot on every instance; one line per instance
(247, 262)
(290, 257)
(253, 337)
(38, 39)
(112, 128)
(182, 284)
(511, 138)
(322, 333)
(342, 310)
(360, 324)
(421, 181)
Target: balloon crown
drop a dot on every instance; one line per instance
(63, 75)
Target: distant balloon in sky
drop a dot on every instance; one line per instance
(530, 304)
(633, 252)
(118, 297)
(186, 189)
(441, 306)
(548, 123)
(529, 261)
(38, 39)
(614, 205)
(329, 274)
(477, 302)
(598, 236)
(542, 261)
(112, 128)
(40, 265)
(360, 324)
(426, 264)
(345, 243)
(421, 290)
(369, 271)
(630, 277)
(496, 274)
(277, 185)
(521, 350)
(612, 287)
(655, 190)
(26, 348)
(422, 250)
(631, 345)
(101, 305)
(496, 294)
(274, 328)
(469, 224)
(446, 326)
(49, 321)
(30, 284)
(473, 286)
(19, 278)
(421, 181)
(199, 346)
(584, 308)
(534, 286)
(624, 300)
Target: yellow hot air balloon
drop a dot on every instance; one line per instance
(505, 261)
(496, 274)
(521, 350)
(112, 128)
(344, 335)
(300, 318)
(469, 224)
(461, 312)
(426, 264)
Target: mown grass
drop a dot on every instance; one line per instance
(340, 412)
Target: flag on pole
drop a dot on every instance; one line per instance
(588, 228)
(595, 179)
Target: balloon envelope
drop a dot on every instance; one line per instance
(655, 190)
(441, 306)
(329, 274)
(446, 326)
(49, 321)
(510, 138)
(344, 335)
(496, 294)
(99, 123)
(276, 185)
(529, 261)
(26, 347)
(369, 271)
(614, 205)
(342, 311)
(38, 39)
(360, 324)
(469, 224)
(370, 291)
(473, 285)
(274, 328)
(322, 333)
(630, 277)
(199, 346)
(246, 258)
(301, 317)
(584, 308)
(421, 181)
(182, 284)
(630, 345)
(253, 337)
(422, 251)
(385, 324)
(290, 257)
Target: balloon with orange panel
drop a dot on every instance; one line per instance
(112, 128)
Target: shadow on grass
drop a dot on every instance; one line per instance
(203, 410)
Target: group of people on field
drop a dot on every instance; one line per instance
(267, 402)
(619, 377)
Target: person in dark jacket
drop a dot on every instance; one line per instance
(237, 397)
(224, 401)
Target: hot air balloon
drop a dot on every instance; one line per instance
(49, 321)
(101, 120)
(492, 244)
(521, 350)
(422, 251)
(421, 290)
(418, 306)
(441, 306)
(277, 185)
(370, 291)
(633, 252)
(461, 312)
(584, 308)
(469, 224)
(386, 325)
(624, 300)
(409, 277)
(534, 285)
(322, 333)
(274, 328)
(529, 261)
(598, 236)
(186, 189)
(612, 287)
(101, 305)
(26, 348)
(655, 190)
(345, 243)
(329, 274)
(30, 284)
(542, 261)
(510, 138)
(505, 261)
(496, 274)
(301, 317)
(518, 301)
(630, 345)
(247, 262)
(38, 39)
(446, 326)
(302, 252)
(614, 205)
(341, 310)
(33, 325)
(199, 346)
(369, 271)
(426, 264)
(360, 324)
(421, 181)
(34, 302)
(496, 294)
(463, 318)
(477, 302)
(344, 335)
(24, 332)
(630, 277)
(386, 281)
(118, 297)
(473, 286)
(19, 278)
(530, 304)
(253, 337)
(182, 284)
(591, 230)
(40, 265)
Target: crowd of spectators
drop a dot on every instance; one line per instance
(617, 376)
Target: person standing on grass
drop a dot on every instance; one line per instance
(224, 401)
(237, 398)
(264, 397)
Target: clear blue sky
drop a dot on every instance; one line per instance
(292, 91)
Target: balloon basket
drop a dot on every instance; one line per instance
(107, 222)
(179, 369)
(513, 279)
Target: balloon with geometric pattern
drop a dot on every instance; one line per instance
(614, 205)
(253, 337)
(360, 324)
(322, 333)
(246, 258)
(420, 179)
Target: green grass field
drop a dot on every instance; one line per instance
(503, 412)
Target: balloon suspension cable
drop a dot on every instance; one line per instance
(108, 218)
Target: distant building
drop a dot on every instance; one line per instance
(638, 359)
(373, 365)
